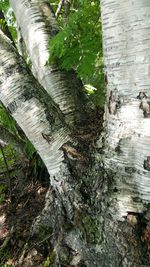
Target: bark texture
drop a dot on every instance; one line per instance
(26, 102)
(127, 65)
(81, 208)
(38, 25)
(44, 126)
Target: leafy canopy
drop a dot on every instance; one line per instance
(78, 45)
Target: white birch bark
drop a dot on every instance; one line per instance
(25, 100)
(43, 123)
(38, 25)
(126, 38)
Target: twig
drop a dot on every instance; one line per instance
(60, 5)
(7, 239)
(26, 202)
(26, 248)
(40, 242)
(7, 169)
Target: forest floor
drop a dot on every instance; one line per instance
(20, 203)
(23, 186)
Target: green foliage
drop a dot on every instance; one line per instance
(79, 44)
(29, 149)
(50, 260)
(6, 265)
(4, 5)
(9, 16)
(10, 124)
(11, 24)
(10, 155)
(7, 121)
(2, 24)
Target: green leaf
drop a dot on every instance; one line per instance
(78, 45)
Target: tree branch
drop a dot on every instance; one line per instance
(39, 118)
(60, 5)
(32, 108)
(37, 20)
(7, 170)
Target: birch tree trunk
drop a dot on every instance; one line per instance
(44, 126)
(126, 140)
(127, 60)
(94, 208)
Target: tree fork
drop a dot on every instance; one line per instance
(84, 196)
